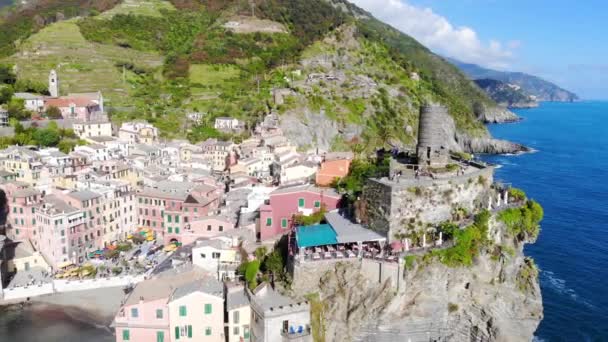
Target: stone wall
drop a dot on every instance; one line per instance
(409, 203)
(307, 275)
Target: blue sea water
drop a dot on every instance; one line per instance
(568, 175)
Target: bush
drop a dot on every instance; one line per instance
(116, 270)
(452, 307)
(251, 273)
(410, 261)
(523, 222)
(517, 194)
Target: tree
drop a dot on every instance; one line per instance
(6, 93)
(66, 145)
(260, 252)
(46, 137)
(53, 113)
(251, 273)
(7, 76)
(274, 263)
(16, 109)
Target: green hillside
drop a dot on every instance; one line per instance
(160, 59)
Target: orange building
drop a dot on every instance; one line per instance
(332, 169)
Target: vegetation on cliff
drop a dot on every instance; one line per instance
(193, 47)
(523, 222)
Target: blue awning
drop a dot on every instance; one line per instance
(317, 235)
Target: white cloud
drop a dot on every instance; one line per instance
(438, 34)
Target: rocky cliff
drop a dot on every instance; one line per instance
(506, 95)
(496, 299)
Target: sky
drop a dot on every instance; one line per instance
(563, 41)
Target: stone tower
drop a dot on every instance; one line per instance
(432, 148)
(53, 84)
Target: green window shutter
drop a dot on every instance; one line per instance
(182, 311)
(284, 223)
(169, 218)
(176, 230)
(189, 331)
(170, 230)
(160, 336)
(125, 335)
(159, 313)
(301, 202)
(208, 309)
(177, 333)
(208, 331)
(176, 218)
(317, 204)
(269, 221)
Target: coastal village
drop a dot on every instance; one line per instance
(210, 240)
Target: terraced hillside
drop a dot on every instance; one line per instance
(159, 60)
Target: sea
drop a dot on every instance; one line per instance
(567, 174)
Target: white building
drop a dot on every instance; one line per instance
(94, 152)
(238, 313)
(138, 132)
(218, 256)
(93, 129)
(275, 317)
(32, 102)
(228, 124)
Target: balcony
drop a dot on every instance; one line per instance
(297, 333)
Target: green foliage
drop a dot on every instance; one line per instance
(251, 273)
(527, 276)
(360, 171)
(468, 243)
(517, 194)
(410, 261)
(46, 137)
(20, 22)
(53, 113)
(463, 155)
(261, 252)
(452, 307)
(274, 263)
(523, 222)
(7, 76)
(314, 218)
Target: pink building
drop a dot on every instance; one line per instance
(60, 233)
(204, 227)
(276, 217)
(80, 108)
(170, 206)
(176, 306)
(21, 208)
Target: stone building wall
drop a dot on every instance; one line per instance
(393, 206)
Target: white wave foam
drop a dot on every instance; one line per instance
(549, 279)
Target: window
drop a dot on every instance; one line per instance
(235, 331)
(182, 311)
(159, 313)
(317, 204)
(208, 309)
(208, 227)
(208, 331)
(160, 336)
(125, 335)
(177, 333)
(170, 230)
(301, 203)
(176, 230)
(221, 228)
(269, 221)
(246, 332)
(189, 331)
(176, 218)
(215, 255)
(16, 231)
(196, 210)
(134, 313)
(284, 223)
(169, 218)
(235, 317)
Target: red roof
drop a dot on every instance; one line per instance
(67, 101)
